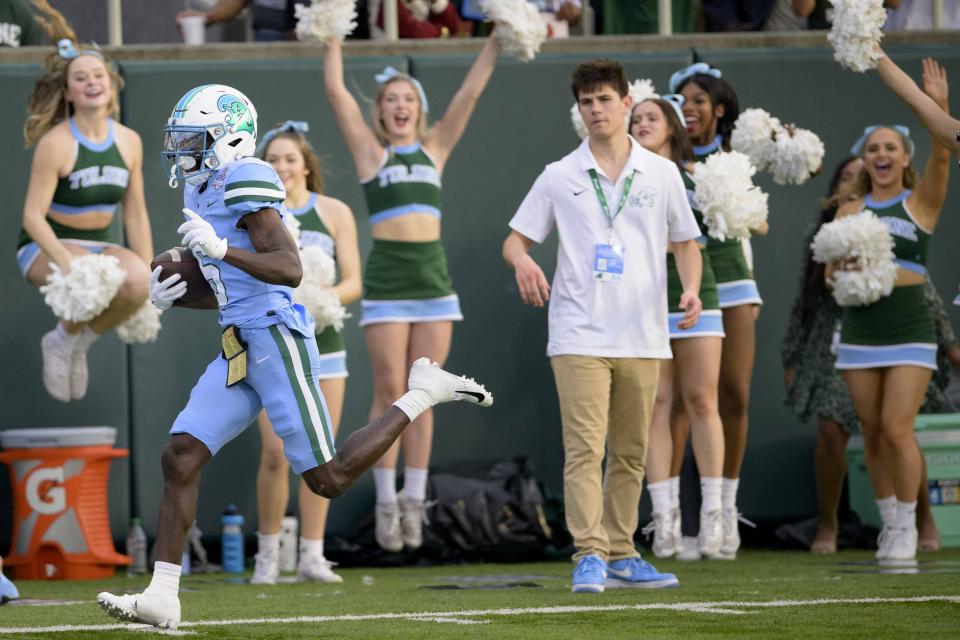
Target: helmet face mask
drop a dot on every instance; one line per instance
(211, 125)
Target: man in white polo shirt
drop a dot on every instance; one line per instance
(616, 207)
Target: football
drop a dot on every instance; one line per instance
(199, 294)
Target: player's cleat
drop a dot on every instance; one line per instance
(729, 519)
(413, 515)
(903, 545)
(635, 573)
(316, 568)
(664, 543)
(590, 575)
(266, 567)
(158, 610)
(78, 374)
(710, 538)
(443, 386)
(387, 530)
(8, 590)
(56, 365)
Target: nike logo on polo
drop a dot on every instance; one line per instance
(259, 360)
(576, 193)
(479, 397)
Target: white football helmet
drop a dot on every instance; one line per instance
(211, 125)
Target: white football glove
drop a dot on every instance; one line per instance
(163, 294)
(198, 234)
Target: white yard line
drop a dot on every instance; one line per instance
(721, 607)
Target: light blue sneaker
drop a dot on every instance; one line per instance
(8, 590)
(589, 575)
(638, 574)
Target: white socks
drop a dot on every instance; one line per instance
(413, 403)
(888, 511)
(906, 515)
(79, 341)
(415, 483)
(310, 547)
(710, 492)
(728, 493)
(385, 481)
(268, 542)
(674, 492)
(166, 579)
(660, 496)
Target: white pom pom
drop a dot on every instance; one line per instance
(142, 327)
(731, 204)
(577, 120)
(315, 292)
(856, 33)
(863, 238)
(292, 223)
(753, 135)
(641, 89)
(798, 155)
(85, 292)
(324, 19)
(520, 29)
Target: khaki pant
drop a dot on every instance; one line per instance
(604, 401)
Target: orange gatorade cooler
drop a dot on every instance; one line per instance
(61, 524)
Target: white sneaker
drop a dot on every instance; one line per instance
(387, 532)
(158, 610)
(883, 543)
(316, 568)
(413, 515)
(687, 549)
(443, 386)
(664, 542)
(902, 546)
(266, 568)
(677, 529)
(57, 358)
(710, 538)
(78, 375)
(731, 534)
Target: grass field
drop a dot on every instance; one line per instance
(764, 594)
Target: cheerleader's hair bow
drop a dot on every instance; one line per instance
(678, 78)
(676, 101)
(67, 50)
(857, 148)
(290, 126)
(390, 73)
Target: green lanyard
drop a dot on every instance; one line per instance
(603, 199)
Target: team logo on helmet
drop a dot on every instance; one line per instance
(238, 116)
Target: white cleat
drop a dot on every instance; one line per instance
(413, 514)
(57, 358)
(160, 611)
(387, 531)
(710, 538)
(266, 568)
(316, 568)
(78, 375)
(443, 386)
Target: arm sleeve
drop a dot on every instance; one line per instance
(535, 217)
(681, 225)
(250, 187)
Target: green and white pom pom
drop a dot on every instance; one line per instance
(856, 33)
(142, 327)
(732, 205)
(85, 292)
(325, 19)
(520, 29)
(865, 239)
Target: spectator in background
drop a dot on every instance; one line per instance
(737, 15)
(18, 27)
(640, 16)
(272, 19)
(559, 15)
(418, 19)
(789, 15)
(917, 15)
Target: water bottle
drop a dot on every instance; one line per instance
(136, 548)
(231, 540)
(288, 544)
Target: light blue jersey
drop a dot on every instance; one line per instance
(239, 188)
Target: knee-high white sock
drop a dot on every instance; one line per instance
(385, 481)
(413, 403)
(415, 483)
(728, 493)
(888, 510)
(660, 495)
(166, 579)
(906, 517)
(710, 491)
(674, 491)
(267, 542)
